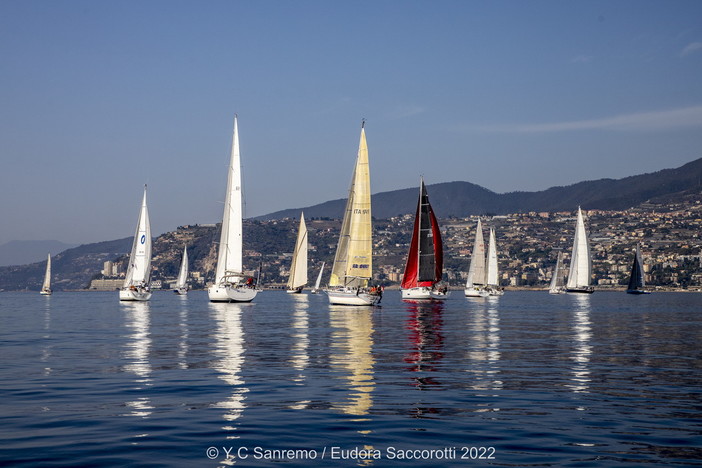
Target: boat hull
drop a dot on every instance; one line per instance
(423, 294)
(352, 297)
(294, 291)
(582, 290)
(44, 292)
(473, 292)
(231, 294)
(637, 291)
(181, 291)
(134, 295)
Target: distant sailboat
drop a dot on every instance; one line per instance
(298, 268)
(136, 283)
(580, 261)
(475, 283)
(425, 259)
(491, 270)
(637, 284)
(317, 283)
(558, 276)
(231, 285)
(181, 286)
(46, 287)
(353, 262)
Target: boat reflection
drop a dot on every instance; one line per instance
(229, 343)
(351, 353)
(184, 332)
(484, 352)
(300, 357)
(47, 346)
(582, 334)
(137, 321)
(424, 323)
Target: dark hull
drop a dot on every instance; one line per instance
(637, 291)
(588, 290)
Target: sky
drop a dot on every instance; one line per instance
(98, 98)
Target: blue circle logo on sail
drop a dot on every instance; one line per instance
(143, 238)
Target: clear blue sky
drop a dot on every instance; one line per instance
(99, 97)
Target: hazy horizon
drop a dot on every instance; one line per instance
(100, 98)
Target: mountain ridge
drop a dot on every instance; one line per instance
(460, 198)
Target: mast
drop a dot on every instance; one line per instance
(229, 260)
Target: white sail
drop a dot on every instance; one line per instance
(136, 282)
(319, 279)
(181, 282)
(230, 283)
(580, 261)
(46, 287)
(476, 271)
(556, 286)
(491, 273)
(298, 268)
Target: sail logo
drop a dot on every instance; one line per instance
(361, 212)
(143, 238)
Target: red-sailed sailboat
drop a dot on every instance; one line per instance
(425, 260)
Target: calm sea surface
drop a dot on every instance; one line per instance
(528, 379)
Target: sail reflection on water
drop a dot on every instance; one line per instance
(137, 321)
(427, 342)
(229, 343)
(300, 357)
(184, 332)
(484, 352)
(582, 349)
(351, 355)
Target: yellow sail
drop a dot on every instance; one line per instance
(353, 263)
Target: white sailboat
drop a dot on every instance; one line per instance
(231, 285)
(353, 262)
(491, 272)
(181, 286)
(475, 283)
(46, 287)
(557, 277)
(136, 283)
(580, 261)
(317, 283)
(298, 268)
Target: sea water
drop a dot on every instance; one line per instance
(526, 379)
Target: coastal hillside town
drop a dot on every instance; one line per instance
(668, 235)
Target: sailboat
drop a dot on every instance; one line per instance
(580, 262)
(46, 287)
(298, 268)
(491, 273)
(353, 262)
(425, 259)
(558, 276)
(181, 286)
(637, 283)
(231, 285)
(317, 283)
(136, 283)
(475, 283)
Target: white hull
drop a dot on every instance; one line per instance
(231, 294)
(494, 291)
(45, 292)
(351, 297)
(181, 291)
(472, 292)
(134, 295)
(423, 294)
(556, 291)
(294, 291)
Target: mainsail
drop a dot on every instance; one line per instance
(139, 269)
(298, 269)
(183, 273)
(476, 271)
(557, 276)
(353, 262)
(424, 265)
(46, 287)
(229, 260)
(491, 273)
(580, 262)
(636, 279)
